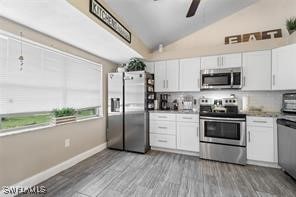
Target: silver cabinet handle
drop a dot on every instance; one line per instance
(249, 136)
(222, 61)
(162, 127)
(167, 84)
(163, 141)
(259, 121)
(162, 117)
(198, 83)
(244, 81)
(218, 61)
(197, 131)
(273, 80)
(186, 118)
(163, 84)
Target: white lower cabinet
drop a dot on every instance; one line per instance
(163, 141)
(174, 131)
(188, 136)
(261, 139)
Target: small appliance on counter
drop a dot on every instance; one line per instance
(222, 131)
(286, 125)
(289, 103)
(164, 102)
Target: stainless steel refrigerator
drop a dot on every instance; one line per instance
(130, 96)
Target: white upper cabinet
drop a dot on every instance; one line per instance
(210, 62)
(231, 60)
(172, 83)
(221, 61)
(257, 70)
(150, 67)
(190, 75)
(160, 76)
(284, 68)
(167, 76)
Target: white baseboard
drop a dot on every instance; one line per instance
(264, 164)
(42, 176)
(175, 151)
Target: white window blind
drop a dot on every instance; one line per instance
(48, 80)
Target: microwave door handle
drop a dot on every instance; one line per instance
(231, 79)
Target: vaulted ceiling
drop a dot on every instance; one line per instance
(163, 21)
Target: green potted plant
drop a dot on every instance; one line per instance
(291, 25)
(136, 64)
(64, 115)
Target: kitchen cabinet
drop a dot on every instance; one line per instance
(257, 70)
(261, 139)
(190, 75)
(167, 76)
(174, 131)
(221, 61)
(150, 67)
(284, 68)
(162, 130)
(188, 132)
(172, 72)
(160, 76)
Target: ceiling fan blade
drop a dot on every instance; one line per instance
(193, 7)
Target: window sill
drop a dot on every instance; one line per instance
(25, 130)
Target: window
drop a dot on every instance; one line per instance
(48, 80)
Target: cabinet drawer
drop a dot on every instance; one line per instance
(187, 118)
(163, 127)
(260, 121)
(163, 116)
(163, 141)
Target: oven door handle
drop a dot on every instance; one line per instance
(223, 119)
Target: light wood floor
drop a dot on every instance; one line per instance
(115, 174)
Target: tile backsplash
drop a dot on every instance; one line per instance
(269, 101)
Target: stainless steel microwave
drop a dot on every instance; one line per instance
(228, 78)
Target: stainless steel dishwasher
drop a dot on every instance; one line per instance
(287, 145)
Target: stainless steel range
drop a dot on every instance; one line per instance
(222, 131)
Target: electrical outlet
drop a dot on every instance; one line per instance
(67, 143)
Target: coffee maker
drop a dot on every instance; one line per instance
(164, 103)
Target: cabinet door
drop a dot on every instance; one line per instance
(257, 70)
(150, 67)
(172, 73)
(160, 76)
(283, 68)
(231, 60)
(210, 62)
(190, 74)
(260, 144)
(188, 136)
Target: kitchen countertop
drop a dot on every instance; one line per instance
(258, 114)
(174, 111)
(264, 114)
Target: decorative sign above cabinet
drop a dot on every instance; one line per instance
(106, 17)
(276, 33)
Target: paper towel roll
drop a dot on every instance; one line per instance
(245, 103)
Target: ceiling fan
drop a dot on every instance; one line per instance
(193, 7)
